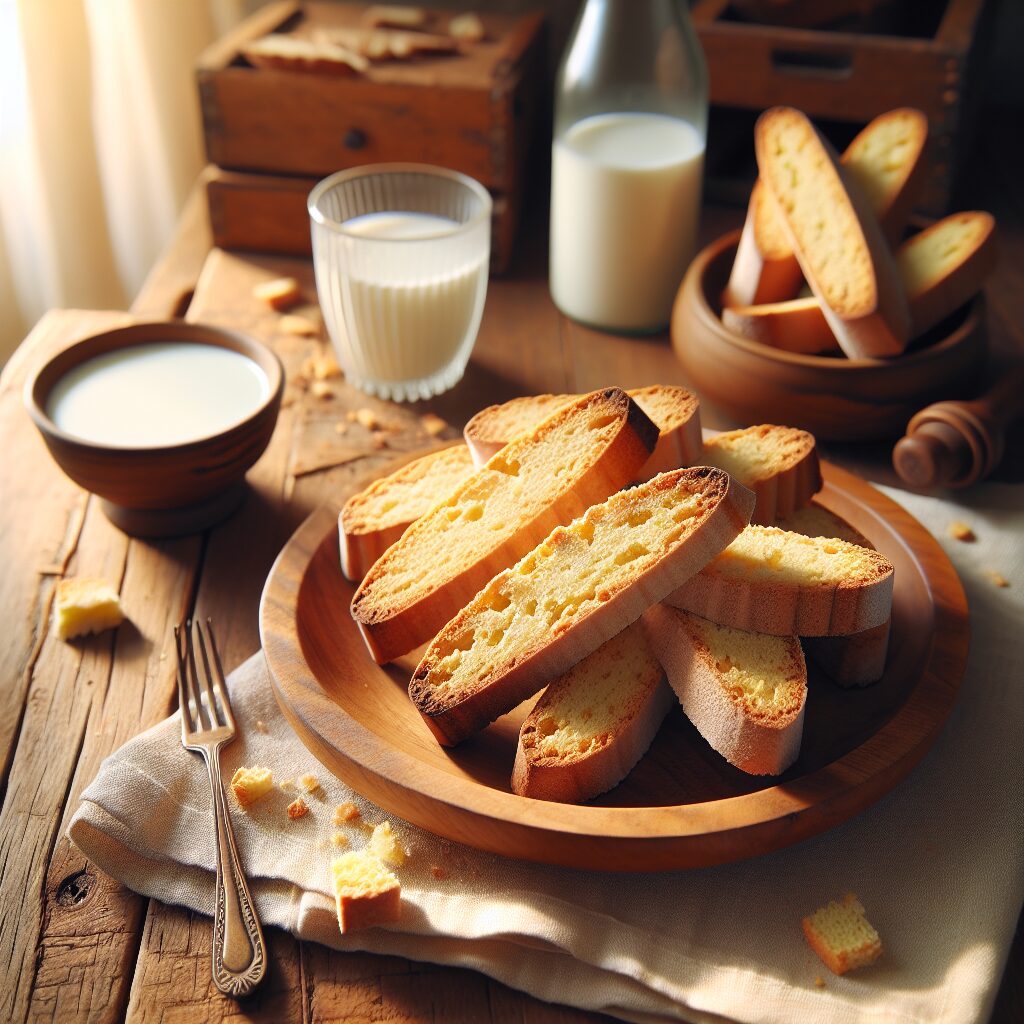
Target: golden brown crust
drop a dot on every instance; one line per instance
(393, 625)
(546, 652)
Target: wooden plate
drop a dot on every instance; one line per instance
(683, 805)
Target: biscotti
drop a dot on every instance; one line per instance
(858, 659)
(773, 581)
(842, 936)
(674, 410)
(592, 724)
(744, 692)
(779, 464)
(835, 235)
(573, 592)
(941, 268)
(886, 160)
(574, 459)
(372, 520)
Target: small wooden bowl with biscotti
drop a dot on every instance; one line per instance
(827, 311)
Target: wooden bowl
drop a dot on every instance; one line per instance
(169, 490)
(836, 398)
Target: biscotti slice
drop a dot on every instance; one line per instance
(773, 581)
(854, 660)
(779, 464)
(744, 692)
(365, 891)
(765, 268)
(372, 520)
(674, 410)
(592, 724)
(941, 268)
(842, 936)
(574, 459)
(835, 235)
(576, 590)
(886, 160)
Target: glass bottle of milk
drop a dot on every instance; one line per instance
(631, 108)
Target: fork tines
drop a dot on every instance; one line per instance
(202, 693)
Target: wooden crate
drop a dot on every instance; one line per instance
(271, 134)
(928, 56)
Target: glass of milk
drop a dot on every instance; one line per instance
(627, 161)
(401, 255)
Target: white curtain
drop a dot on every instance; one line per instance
(100, 142)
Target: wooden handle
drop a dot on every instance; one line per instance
(955, 444)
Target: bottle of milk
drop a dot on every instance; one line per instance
(631, 108)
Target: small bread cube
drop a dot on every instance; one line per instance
(367, 893)
(841, 935)
(250, 784)
(345, 812)
(85, 605)
(298, 808)
(281, 293)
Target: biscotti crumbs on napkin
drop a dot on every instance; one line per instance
(842, 936)
(250, 784)
(298, 808)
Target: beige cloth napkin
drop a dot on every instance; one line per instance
(938, 863)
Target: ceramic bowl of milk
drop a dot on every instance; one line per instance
(401, 255)
(160, 420)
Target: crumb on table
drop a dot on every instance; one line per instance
(298, 808)
(251, 784)
(997, 579)
(842, 936)
(309, 782)
(439, 872)
(280, 293)
(961, 531)
(84, 605)
(433, 424)
(339, 839)
(300, 326)
(345, 812)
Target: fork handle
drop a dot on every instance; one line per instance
(239, 952)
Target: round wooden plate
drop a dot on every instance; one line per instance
(683, 805)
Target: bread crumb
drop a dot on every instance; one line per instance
(385, 845)
(321, 389)
(85, 604)
(366, 418)
(366, 892)
(281, 293)
(842, 936)
(345, 812)
(997, 578)
(298, 808)
(251, 784)
(321, 366)
(286, 785)
(301, 326)
(438, 872)
(466, 28)
(339, 839)
(261, 726)
(378, 442)
(961, 531)
(341, 428)
(432, 424)
(819, 982)
(309, 782)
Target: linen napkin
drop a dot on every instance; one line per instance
(938, 862)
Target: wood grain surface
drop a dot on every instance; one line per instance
(75, 944)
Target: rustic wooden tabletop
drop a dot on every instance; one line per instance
(79, 946)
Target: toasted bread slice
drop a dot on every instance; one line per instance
(941, 268)
(674, 410)
(592, 724)
(366, 892)
(842, 936)
(779, 464)
(744, 692)
(372, 520)
(576, 590)
(574, 459)
(886, 160)
(773, 581)
(835, 235)
(858, 659)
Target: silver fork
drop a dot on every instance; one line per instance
(239, 952)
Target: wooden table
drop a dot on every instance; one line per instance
(75, 944)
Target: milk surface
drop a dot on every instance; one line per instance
(157, 394)
(625, 200)
(404, 319)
